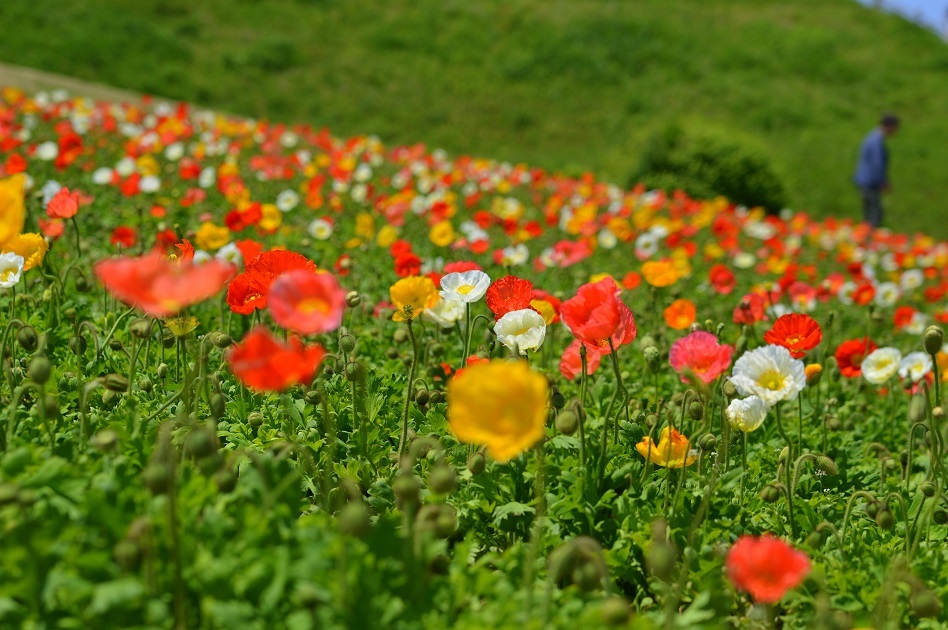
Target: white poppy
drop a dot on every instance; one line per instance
(464, 286)
(320, 229)
(444, 313)
(11, 267)
(746, 414)
(915, 366)
(881, 365)
(521, 330)
(770, 373)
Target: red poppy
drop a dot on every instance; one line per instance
(796, 332)
(722, 279)
(571, 363)
(766, 567)
(596, 316)
(159, 287)
(399, 247)
(461, 266)
(123, 235)
(265, 365)
(306, 302)
(849, 356)
(247, 292)
(279, 261)
(407, 264)
(249, 249)
(863, 294)
(510, 293)
(52, 228)
(63, 205)
(903, 316)
(750, 310)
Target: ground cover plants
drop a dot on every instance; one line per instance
(258, 376)
(564, 85)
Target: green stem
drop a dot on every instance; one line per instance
(408, 391)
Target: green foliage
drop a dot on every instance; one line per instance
(707, 162)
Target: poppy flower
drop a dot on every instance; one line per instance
(881, 365)
(521, 330)
(672, 451)
(159, 287)
(766, 567)
(850, 354)
(701, 355)
(750, 310)
(12, 210)
(407, 264)
(499, 404)
(63, 205)
(680, 314)
(571, 363)
(770, 373)
(465, 286)
(306, 302)
(264, 364)
(31, 246)
(411, 296)
(596, 316)
(796, 332)
(510, 293)
(660, 273)
(247, 292)
(123, 235)
(721, 278)
(11, 269)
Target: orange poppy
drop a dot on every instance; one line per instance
(63, 205)
(265, 365)
(159, 287)
(306, 303)
(680, 314)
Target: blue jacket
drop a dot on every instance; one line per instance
(873, 166)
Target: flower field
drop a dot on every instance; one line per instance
(257, 376)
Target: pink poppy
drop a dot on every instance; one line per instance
(306, 302)
(700, 354)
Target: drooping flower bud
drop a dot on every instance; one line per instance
(27, 338)
(567, 422)
(934, 339)
(40, 370)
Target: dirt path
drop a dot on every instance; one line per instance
(31, 81)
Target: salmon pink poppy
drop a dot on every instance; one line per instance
(159, 287)
(510, 293)
(63, 205)
(700, 354)
(571, 363)
(750, 310)
(796, 332)
(766, 567)
(264, 364)
(306, 302)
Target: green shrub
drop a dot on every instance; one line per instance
(706, 162)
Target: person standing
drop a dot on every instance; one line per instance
(872, 170)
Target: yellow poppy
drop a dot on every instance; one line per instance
(441, 234)
(660, 273)
(12, 211)
(210, 236)
(386, 236)
(271, 217)
(32, 247)
(411, 296)
(498, 404)
(672, 451)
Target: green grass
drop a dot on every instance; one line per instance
(567, 85)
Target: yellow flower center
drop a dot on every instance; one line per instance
(311, 305)
(772, 380)
(464, 289)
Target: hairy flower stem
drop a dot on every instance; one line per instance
(849, 507)
(582, 410)
(467, 333)
(408, 392)
(620, 394)
(537, 530)
(789, 484)
(75, 226)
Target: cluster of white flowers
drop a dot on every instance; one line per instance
(765, 376)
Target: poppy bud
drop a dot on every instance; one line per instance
(784, 454)
(225, 480)
(391, 352)
(833, 424)
(347, 343)
(353, 299)
(27, 338)
(938, 412)
(814, 540)
(769, 494)
(934, 339)
(826, 465)
(741, 345)
(653, 359)
(218, 405)
(696, 410)
(476, 463)
(696, 327)
(70, 314)
(872, 509)
(615, 611)
(814, 373)
(105, 440)
(728, 388)
(884, 519)
(400, 336)
(162, 370)
(940, 517)
(115, 383)
(661, 559)
(78, 345)
(567, 422)
(127, 555)
(435, 396)
(925, 604)
(255, 418)
(355, 371)
(406, 488)
(157, 477)
(928, 489)
(145, 384)
(651, 419)
(141, 328)
(40, 370)
(578, 562)
(354, 520)
(707, 442)
(442, 479)
(557, 399)
(201, 443)
(647, 341)
(421, 397)
(918, 408)
(221, 340)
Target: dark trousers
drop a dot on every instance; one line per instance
(871, 206)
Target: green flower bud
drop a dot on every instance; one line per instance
(661, 559)
(934, 339)
(141, 328)
(347, 343)
(615, 611)
(872, 509)
(391, 352)
(567, 422)
(51, 404)
(127, 554)
(884, 519)
(769, 493)
(353, 299)
(27, 338)
(729, 389)
(741, 345)
(201, 443)
(696, 410)
(255, 418)
(355, 371)
(145, 384)
(226, 480)
(354, 520)
(115, 383)
(157, 477)
(707, 442)
(105, 440)
(435, 396)
(407, 489)
(826, 465)
(40, 370)
(928, 489)
(162, 371)
(442, 479)
(476, 463)
(78, 345)
(400, 335)
(918, 409)
(814, 540)
(940, 517)
(557, 399)
(421, 397)
(8, 493)
(653, 359)
(221, 340)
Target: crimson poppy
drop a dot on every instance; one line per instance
(796, 332)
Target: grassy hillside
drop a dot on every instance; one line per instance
(562, 84)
